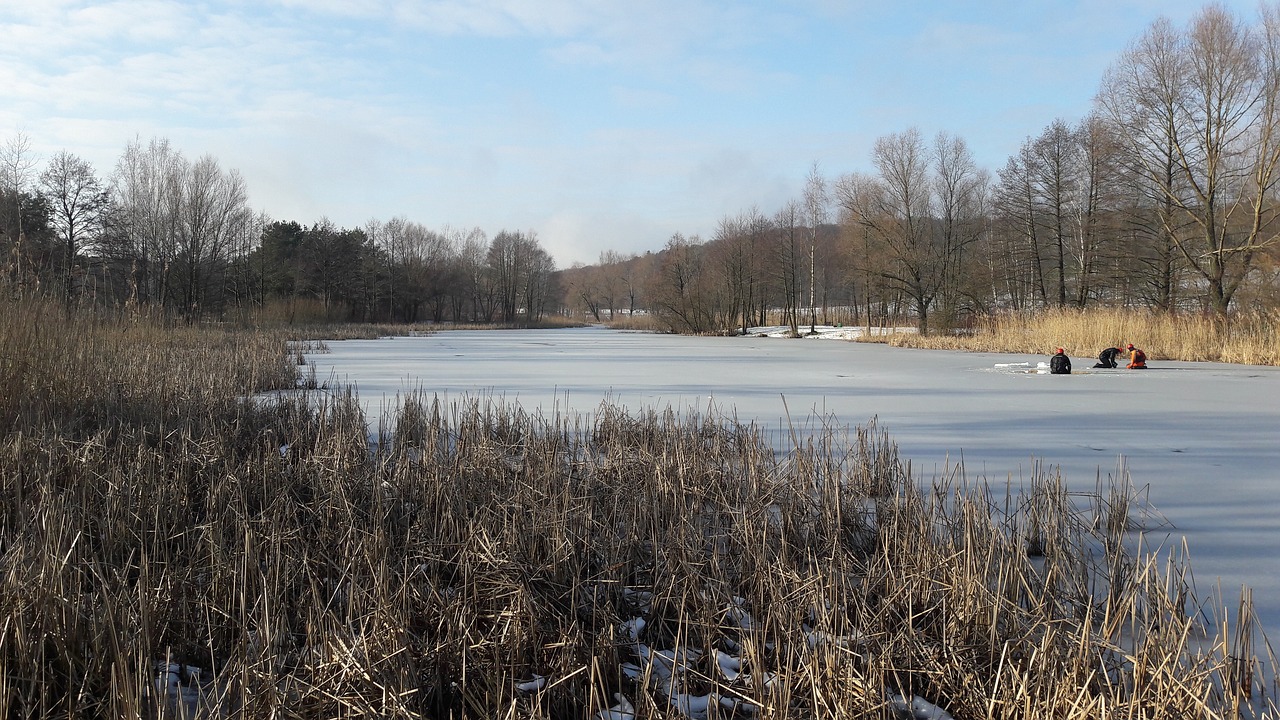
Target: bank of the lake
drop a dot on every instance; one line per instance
(171, 546)
(1204, 438)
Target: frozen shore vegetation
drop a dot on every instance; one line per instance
(168, 550)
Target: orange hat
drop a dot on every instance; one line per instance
(1130, 347)
(1059, 350)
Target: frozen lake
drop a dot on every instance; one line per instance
(1204, 437)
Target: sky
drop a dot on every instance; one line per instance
(599, 125)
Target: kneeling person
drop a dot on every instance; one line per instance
(1107, 358)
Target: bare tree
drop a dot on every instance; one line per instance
(608, 281)
(425, 269)
(1146, 130)
(1017, 202)
(682, 292)
(855, 192)
(736, 251)
(78, 203)
(1206, 98)
(959, 187)
(787, 252)
(212, 208)
(581, 285)
(521, 271)
(816, 201)
(629, 276)
(895, 208)
(1099, 190)
(1053, 171)
(247, 283)
(540, 284)
(434, 267)
(17, 164)
(480, 292)
(147, 192)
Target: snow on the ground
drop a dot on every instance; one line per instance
(826, 332)
(667, 673)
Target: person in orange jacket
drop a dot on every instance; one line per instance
(1137, 358)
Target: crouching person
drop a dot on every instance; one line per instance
(1107, 358)
(1137, 358)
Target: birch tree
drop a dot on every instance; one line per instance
(816, 200)
(17, 165)
(147, 189)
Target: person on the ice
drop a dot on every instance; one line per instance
(1107, 358)
(1060, 364)
(1137, 359)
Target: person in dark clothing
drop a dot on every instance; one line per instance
(1137, 359)
(1107, 358)
(1060, 364)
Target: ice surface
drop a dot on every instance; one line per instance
(1204, 436)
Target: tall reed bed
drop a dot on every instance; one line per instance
(640, 322)
(79, 371)
(484, 561)
(1250, 338)
(371, 331)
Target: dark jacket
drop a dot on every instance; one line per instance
(1060, 364)
(1107, 358)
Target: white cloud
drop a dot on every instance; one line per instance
(489, 19)
(143, 21)
(633, 98)
(581, 52)
(362, 9)
(572, 236)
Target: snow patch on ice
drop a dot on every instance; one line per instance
(826, 332)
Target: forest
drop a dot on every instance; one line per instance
(1162, 197)
(168, 234)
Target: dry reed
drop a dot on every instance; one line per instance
(179, 551)
(640, 322)
(1249, 338)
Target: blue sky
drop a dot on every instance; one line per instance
(598, 124)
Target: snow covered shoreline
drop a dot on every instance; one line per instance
(825, 332)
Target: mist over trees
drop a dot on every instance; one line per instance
(1163, 197)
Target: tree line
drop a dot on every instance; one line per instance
(176, 235)
(1164, 196)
